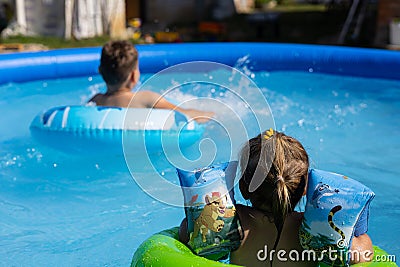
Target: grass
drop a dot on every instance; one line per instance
(55, 42)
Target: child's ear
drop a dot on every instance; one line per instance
(132, 76)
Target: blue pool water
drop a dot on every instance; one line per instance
(59, 209)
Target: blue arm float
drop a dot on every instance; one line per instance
(213, 224)
(337, 209)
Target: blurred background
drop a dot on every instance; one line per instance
(47, 24)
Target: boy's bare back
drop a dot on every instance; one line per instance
(125, 99)
(147, 99)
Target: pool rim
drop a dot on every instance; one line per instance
(80, 62)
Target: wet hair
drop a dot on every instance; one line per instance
(118, 59)
(274, 169)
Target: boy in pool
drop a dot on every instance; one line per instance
(272, 221)
(119, 68)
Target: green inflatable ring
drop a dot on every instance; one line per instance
(164, 250)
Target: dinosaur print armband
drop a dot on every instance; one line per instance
(337, 209)
(213, 224)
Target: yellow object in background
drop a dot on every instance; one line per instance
(135, 22)
(167, 37)
(134, 30)
(136, 35)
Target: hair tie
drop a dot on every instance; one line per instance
(269, 133)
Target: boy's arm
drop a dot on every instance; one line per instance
(155, 100)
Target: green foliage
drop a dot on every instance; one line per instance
(56, 42)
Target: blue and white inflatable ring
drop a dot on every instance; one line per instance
(112, 129)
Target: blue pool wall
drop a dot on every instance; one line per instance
(75, 62)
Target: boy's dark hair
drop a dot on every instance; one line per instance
(118, 59)
(280, 164)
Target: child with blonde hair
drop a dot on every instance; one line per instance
(274, 173)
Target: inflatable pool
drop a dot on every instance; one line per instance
(96, 129)
(164, 249)
(54, 64)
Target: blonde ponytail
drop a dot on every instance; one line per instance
(281, 205)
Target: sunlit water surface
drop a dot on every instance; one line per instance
(61, 209)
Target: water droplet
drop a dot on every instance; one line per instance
(90, 79)
(55, 165)
(310, 70)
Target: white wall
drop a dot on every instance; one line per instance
(45, 17)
